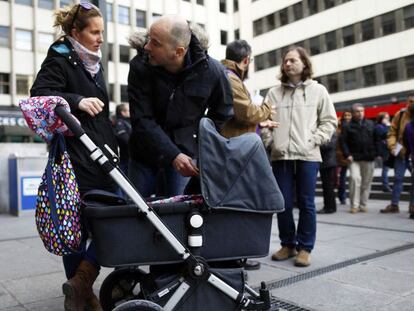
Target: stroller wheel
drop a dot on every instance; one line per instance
(120, 286)
(138, 305)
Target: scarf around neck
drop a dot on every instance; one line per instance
(91, 60)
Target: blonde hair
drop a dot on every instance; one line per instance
(66, 19)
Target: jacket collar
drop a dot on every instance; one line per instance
(234, 67)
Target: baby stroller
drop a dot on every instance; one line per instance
(189, 241)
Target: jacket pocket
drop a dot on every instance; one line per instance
(186, 139)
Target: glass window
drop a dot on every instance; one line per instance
(23, 40)
(141, 19)
(124, 53)
(313, 6)
(24, 2)
(271, 58)
(4, 83)
(348, 35)
(45, 40)
(155, 16)
(259, 62)
(200, 2)
(223, 6)
(300, 43)
(109, 12)
(237, 34)
(330, 40)
(123, 15)
(110, 54)
(269, 21)
(263, 92)
(235, 5)
(329, 4)
(298, 11)
(390, 71)
(409, 66)
(111, 92)
(257, 27)
(283, 16)
(388, 23)
(4, 36)
(369, 75)
(333, 85)
(350, 82)
(65, 3)
(409, 16)
(124, 93)
(46, 4)
(22, 84)
(223, 37)
(368, 29)
(314, 46)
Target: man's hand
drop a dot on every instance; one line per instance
(269, 124)
(350, 159)
(91, 105)
(184, 165)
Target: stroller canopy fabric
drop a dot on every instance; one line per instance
(235, 173)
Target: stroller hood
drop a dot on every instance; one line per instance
(235, 173)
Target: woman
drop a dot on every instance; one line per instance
(72, 70)
(307, 120)
(382, 127)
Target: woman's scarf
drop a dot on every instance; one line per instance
(91, 60)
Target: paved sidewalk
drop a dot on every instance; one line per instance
(361, 262)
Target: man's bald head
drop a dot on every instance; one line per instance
(177, 27)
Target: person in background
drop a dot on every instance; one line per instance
(397, 149)
(342, 162)
(73, 70)
(382, 127)
(307, 119)
(122, 133)
(408, 140)
(328, 175)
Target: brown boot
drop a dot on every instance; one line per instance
(78, 289)
(284, 253)
(411, 211)
(92, 303)
(390, 209)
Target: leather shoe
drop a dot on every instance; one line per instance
(251, 265)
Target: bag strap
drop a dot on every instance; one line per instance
(58, 144)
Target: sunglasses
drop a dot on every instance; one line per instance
(84, 4)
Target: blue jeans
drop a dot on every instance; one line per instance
(301, 174)
(72, 261)
(384, 175)
(148, 180)
(342, 184)
(400, 165)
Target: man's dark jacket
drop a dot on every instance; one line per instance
(62, 74)
(359, 139)
(122, 133)
(166, 108)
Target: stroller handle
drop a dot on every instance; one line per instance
(70, 121)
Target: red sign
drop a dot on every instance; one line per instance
(373, 111)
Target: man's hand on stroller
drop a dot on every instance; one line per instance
(185, 166)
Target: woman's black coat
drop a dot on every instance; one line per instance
(62, 74)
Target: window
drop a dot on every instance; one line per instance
(409, 66)
(259, 62)
(23, 40)
(24, 2)
(269, 21)
(348, 35)
(283, 16)
(350, 82)
(369, 76)
(110, 53)
(45, 40)
(123, 15)
(390, 71)
(257, 27)
(124, 93)
(368, 29)
(4, 83)
(124, 53)
(223, 6)
(65, 3)
(298, 11)
(4, 36)
(314, 46)
(271, 59)
(409, 17)
(313, 6)
(237, 34)
(223, 37)
(200, 2)
(330, 41)
(46, 4)
(111, 92)
(109, 12)
(155, 16)
(329, 4)
(388, 23)
(141, 19)
(22, 84)
(333, 85)
(235, 5)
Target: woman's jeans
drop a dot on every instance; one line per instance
(300, 176)
(400, 165)
(72, 261)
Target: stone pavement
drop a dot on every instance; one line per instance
(361, 262)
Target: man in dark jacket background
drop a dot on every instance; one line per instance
(360, 146)
(122, 133)
(171, 83)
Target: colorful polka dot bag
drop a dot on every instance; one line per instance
(58, 203)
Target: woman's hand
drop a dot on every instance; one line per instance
(91, 105)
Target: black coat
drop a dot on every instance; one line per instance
(166, 108)
(62, 74)
(360, 140)
(328, 153)
(122, 133)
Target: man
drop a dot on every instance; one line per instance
(397, 149)
(360, 146)
(122, 133)
(247, 115)
(171, 83)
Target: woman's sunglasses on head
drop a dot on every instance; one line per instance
(84, 4)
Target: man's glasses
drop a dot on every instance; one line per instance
(84, 4)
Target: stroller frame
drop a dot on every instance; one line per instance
(197, 267)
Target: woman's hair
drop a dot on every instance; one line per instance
(381, 117)
(67, 18)
(304, 56)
